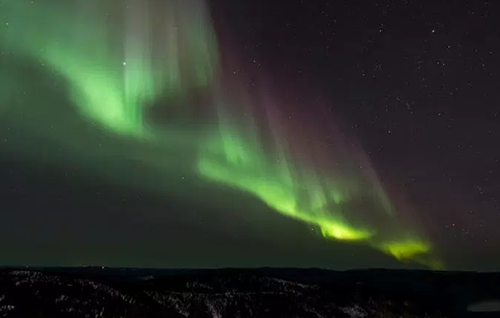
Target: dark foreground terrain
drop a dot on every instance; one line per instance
(232, 293)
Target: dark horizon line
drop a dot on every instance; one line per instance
(214, 269)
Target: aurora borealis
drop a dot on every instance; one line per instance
(146, 85)
(142, 53)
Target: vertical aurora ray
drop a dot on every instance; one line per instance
(114, 66)
(139, 54)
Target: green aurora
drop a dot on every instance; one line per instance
(139, 57)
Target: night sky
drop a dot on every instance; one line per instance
(409, 85)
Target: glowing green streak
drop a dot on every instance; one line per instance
(228, 159)
(231, 159)
(111, 86)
